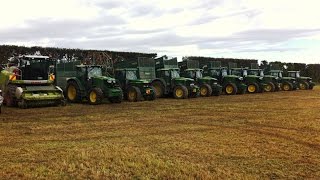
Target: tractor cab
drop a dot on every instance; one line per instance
(294, 74)
(256, 72)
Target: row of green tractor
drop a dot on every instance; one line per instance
(34, 80)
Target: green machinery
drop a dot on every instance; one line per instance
(134, 77)
(87, 82)
(231, 84)
(168, 80)
(287, 83)
(304, 83)
(271, 82)
(208, 85)
(28, 81)
(254, 83)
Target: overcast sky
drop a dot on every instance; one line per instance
(286, 30)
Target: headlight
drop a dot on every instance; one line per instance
(276, 78)
(260, 78)
(192, 84)
(109, 81)
(293, 81)
(240, 78)
(215, 83)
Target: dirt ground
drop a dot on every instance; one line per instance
(256, 136)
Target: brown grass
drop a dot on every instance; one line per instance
(268, 136)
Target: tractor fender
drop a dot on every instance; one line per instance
(82, 88)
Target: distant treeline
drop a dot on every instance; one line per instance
(91, 56)
(107, 58)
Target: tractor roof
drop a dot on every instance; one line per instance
(275, 71)
(84, 65)
(293, 71)
(34, 57)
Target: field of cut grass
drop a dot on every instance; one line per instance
(262, 136)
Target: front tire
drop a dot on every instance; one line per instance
(95, 96)
(287, 86)
(230, 89)
(134, 94)
(303, 85)
(180, 92)
(270, 87)
(205, 90)
(253, 88)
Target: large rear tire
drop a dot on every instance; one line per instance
(73, 92)
(205, 90)
(159, 88)
(230, 89)
(270, 87)
(95, 96)
(134, 94)
(180, 92)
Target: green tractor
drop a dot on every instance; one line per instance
(134, 77)
(86, 82)
(304, 83)
(208, 85)
(28, 81)
(168, 80)
(231, 84)
(271, 82)
(287, 83)
(254, 83)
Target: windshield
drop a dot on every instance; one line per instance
(175, 74)
(198, 74)
(254, 72)
(236, 72)
(214, 72)
(131, 75)
(94, 71)
(292, 74)
(224, 72)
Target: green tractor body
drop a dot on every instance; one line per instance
(28, 81)
(231, 84)
(168, 80)
(304, 83)
(272, 83)
(135, 77)
(86, 82)
(208, 85)
(287, 83)
(254, 83)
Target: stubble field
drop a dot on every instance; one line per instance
(268, 136)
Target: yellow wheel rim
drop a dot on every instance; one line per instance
(179, 93)
(286, 87)
(268, 88)
(93, 96)
(203, 91)
(251, 88)
(229, 89)
(302, 86)
(72, 92)
(132, 95)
